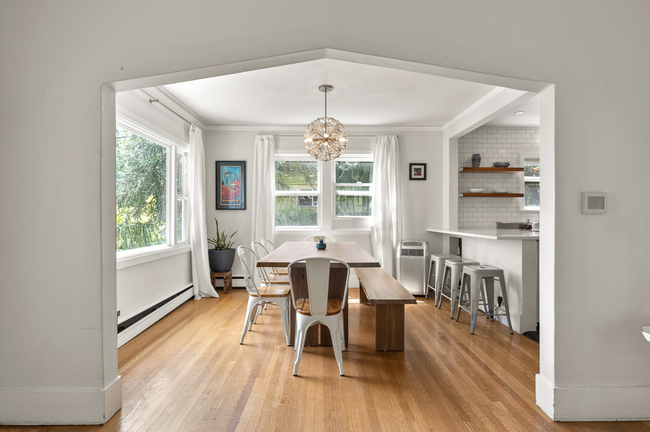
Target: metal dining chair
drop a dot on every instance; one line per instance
(260, 295)
(272, 276)
(318, 306)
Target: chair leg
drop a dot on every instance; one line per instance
(247, 320)
(342, 333)
(336, 330)
(258, 312)
(445, 276)
(475, 289)
(300, 344)
(489, 295)
(285, 320)
(504, 293)
(454, 289)
(464, 289)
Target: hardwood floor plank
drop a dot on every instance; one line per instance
(189, 373)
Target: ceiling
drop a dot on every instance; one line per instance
(363, 95)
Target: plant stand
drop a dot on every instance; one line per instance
(227, 280)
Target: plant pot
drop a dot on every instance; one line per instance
(221, 261)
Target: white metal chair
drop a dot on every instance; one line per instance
(260, 295)
(319, 307)
(272, 276)
(268, 244)
(316, 238)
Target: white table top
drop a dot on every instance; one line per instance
(490, 233)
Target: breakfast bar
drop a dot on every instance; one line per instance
(517, 253)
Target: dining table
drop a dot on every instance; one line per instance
(349, 252)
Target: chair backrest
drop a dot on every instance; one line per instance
(319, 291)
(316, 238)
(248, 258)
(268, 244)
(262, 251)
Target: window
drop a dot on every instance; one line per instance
(531, 184)
(151, 176)
(353, 188)
(297, 193)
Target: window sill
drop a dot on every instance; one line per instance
(316, 231)
(528, 211)
(127, 259)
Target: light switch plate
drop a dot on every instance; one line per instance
(594, 202)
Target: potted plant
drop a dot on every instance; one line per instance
(222, 256)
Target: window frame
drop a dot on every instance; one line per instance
(319, 193)
(350, 158)
(527, 160)
(173, 146)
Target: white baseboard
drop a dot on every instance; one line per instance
(146, 322)
(60, 407)
(593, 403)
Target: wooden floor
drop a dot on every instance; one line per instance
(189, 373)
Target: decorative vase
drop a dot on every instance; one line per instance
(321, 245)
(221, 261)
(476, 160)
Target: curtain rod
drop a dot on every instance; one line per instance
(153, 99)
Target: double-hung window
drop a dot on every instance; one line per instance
(297, 193)
(353, 188)
(151, 191)
(531, 183)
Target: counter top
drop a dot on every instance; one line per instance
(490, 233)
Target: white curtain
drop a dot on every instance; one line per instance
(263, 187)
(386, 202)
(196, 214)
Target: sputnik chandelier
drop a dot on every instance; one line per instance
(325, 137)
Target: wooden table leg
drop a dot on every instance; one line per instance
(225, 283)
(363, 298)
(230, 281)
(389, 327)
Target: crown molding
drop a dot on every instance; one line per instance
(349, 129)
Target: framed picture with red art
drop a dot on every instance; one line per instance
(231, 185)
(417, 171)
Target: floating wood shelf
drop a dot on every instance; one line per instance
(490, 169)
(493, 195)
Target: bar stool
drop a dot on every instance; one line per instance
(452, 273)
(473, 275)
(436, 268)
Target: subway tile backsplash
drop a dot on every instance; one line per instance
(494, 144)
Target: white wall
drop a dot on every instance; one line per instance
(421, 199)
(143, 285)
(495, 144)
(59, 54)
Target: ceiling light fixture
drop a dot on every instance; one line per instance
(519, 112)
(325, 137)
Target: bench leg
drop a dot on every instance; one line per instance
(389, 327)
(363, 298)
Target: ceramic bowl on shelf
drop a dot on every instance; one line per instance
(501, 164)
(501, 191)
(476, 190)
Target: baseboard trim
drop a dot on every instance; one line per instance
(593, 403)
(60, 407)
(146, 322)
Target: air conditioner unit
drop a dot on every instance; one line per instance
(413, 265)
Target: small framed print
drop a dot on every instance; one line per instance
(231, 185)
(417, 171)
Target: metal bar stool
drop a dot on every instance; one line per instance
(473, 275)
(452, 273)
(436, 268)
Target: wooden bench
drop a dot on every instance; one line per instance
(388, 296)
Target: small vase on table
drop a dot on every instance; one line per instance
(321, 245)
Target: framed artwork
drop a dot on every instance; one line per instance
(417, 171)
(231, 185)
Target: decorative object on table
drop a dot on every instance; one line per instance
(325, 137)
(417, 171)
(476, 160)
(528, 225)
(222, 256)
(321, 245)
(231, 185)
(501, 164)
(227, 280)
(476, 190)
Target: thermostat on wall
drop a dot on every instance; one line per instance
(594, 202)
